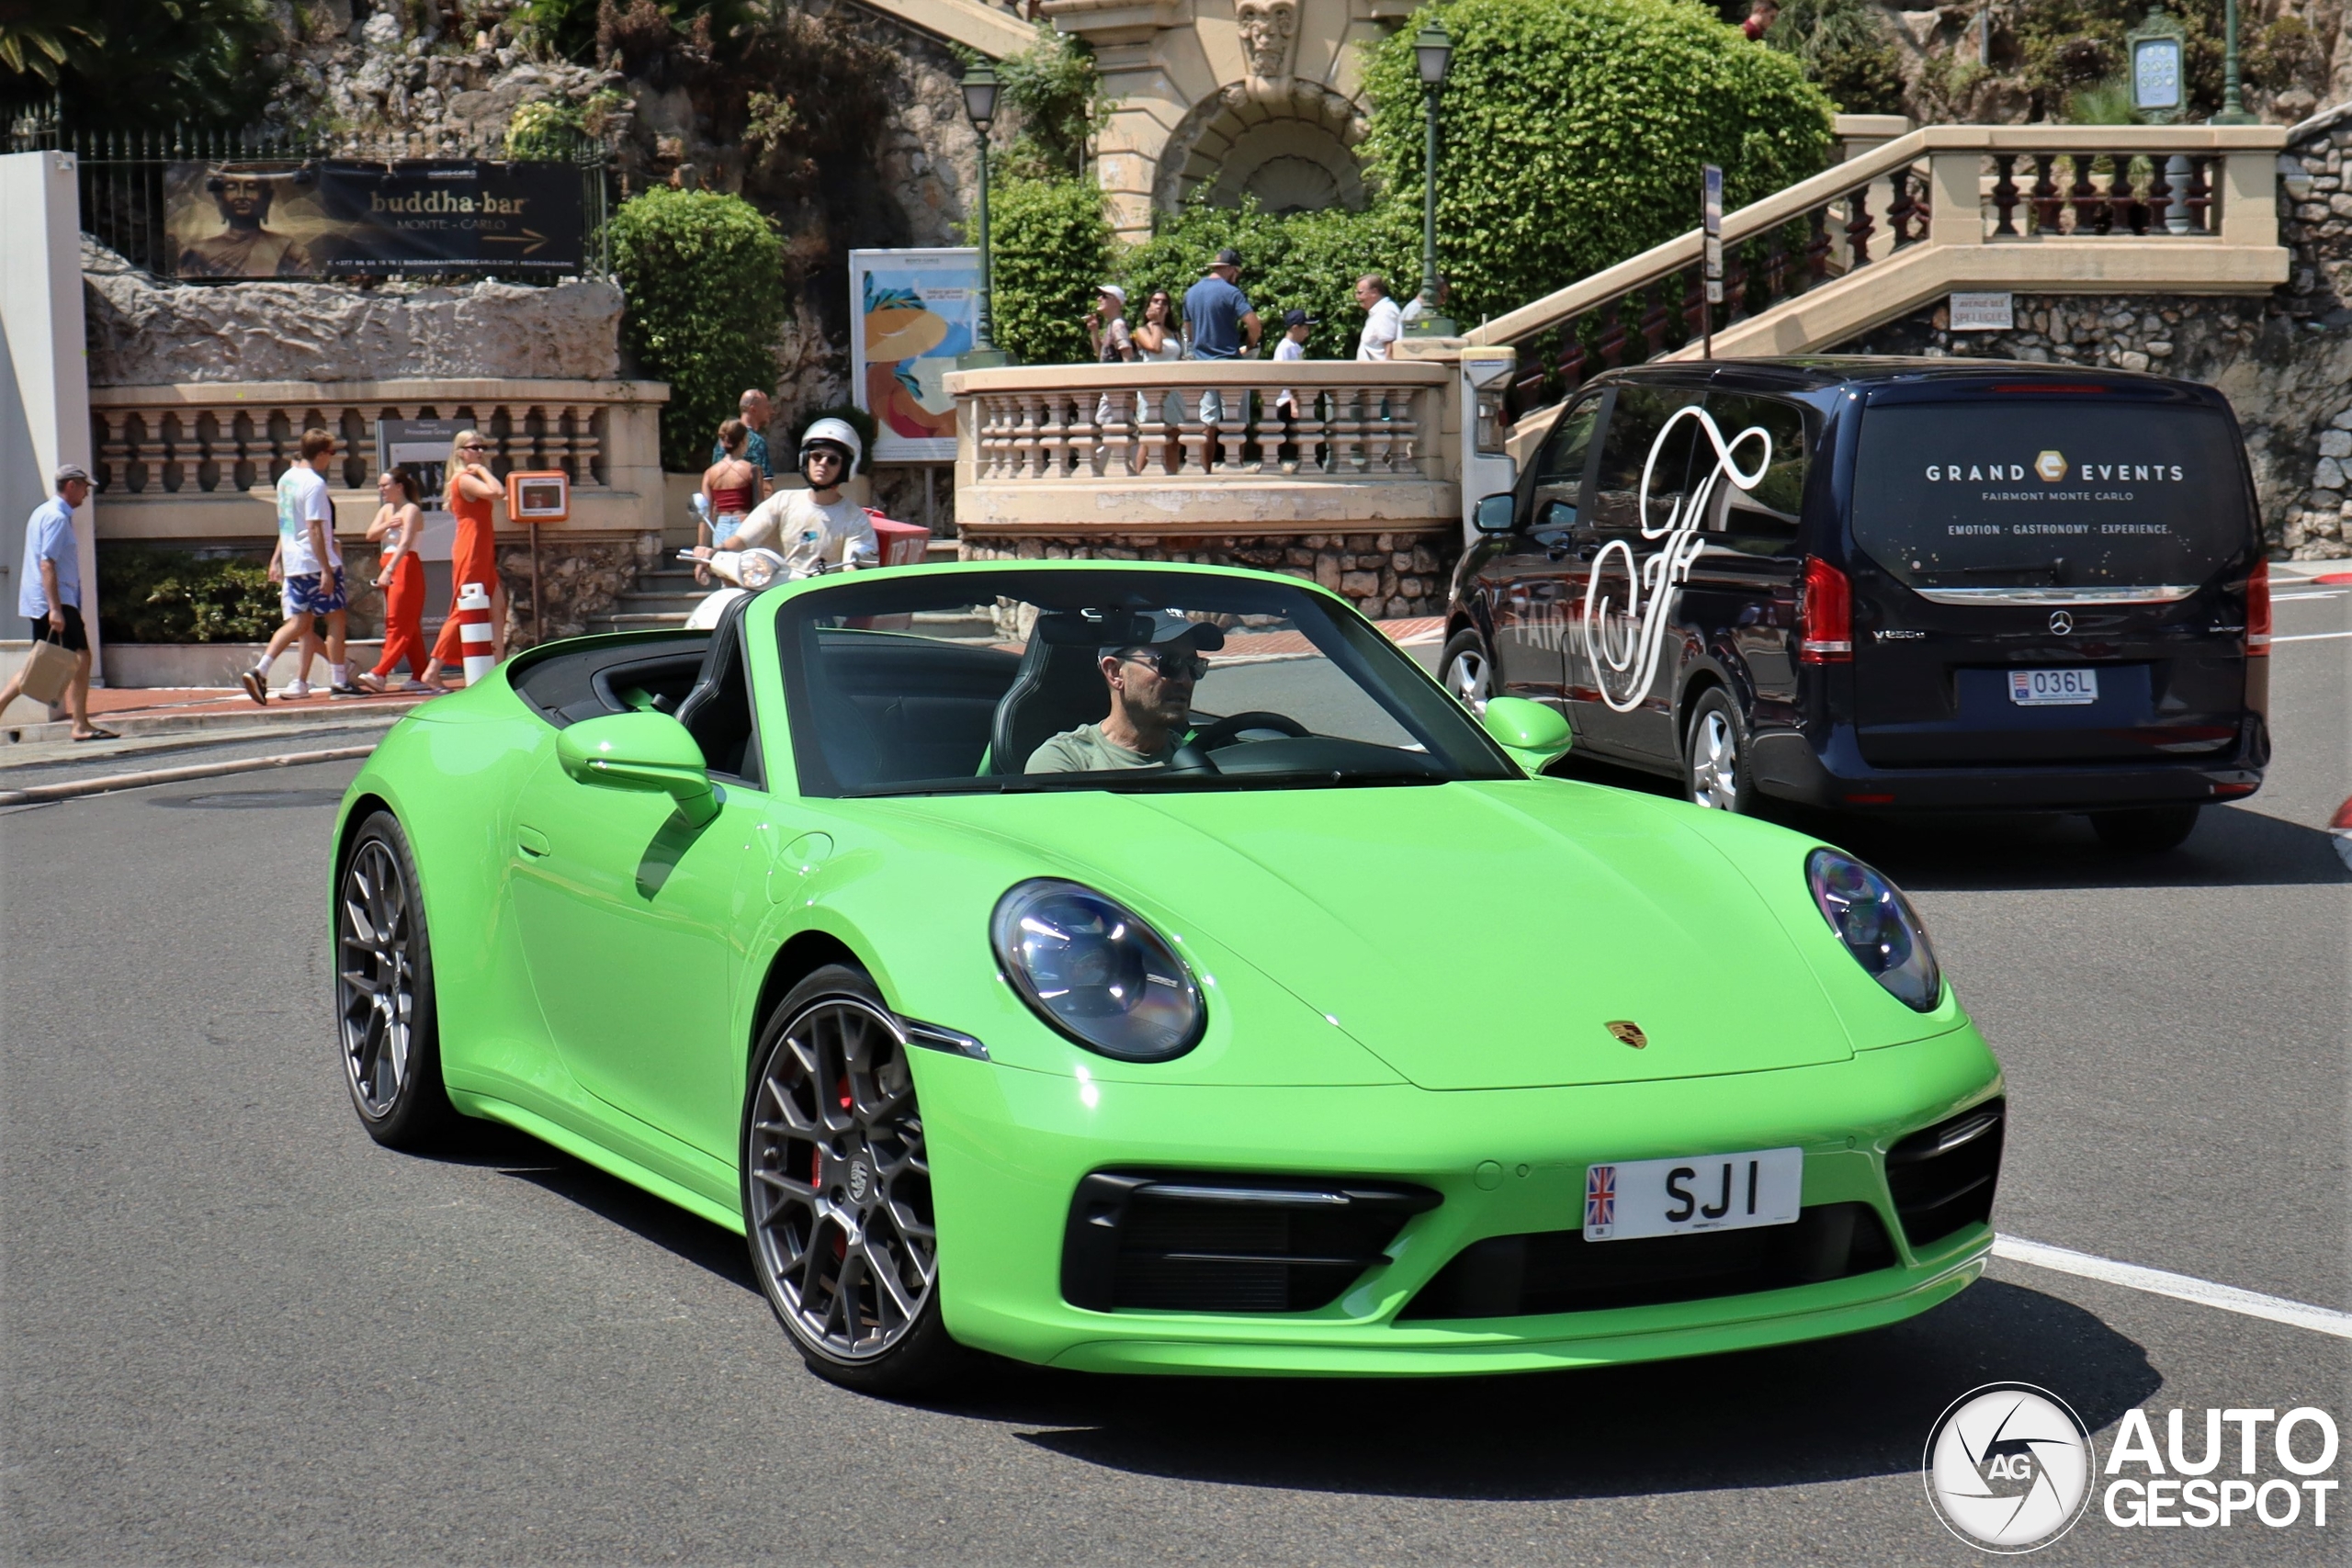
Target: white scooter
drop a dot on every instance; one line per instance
(744, 572)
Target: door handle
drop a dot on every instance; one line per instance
(532, 842)
(1588, 551)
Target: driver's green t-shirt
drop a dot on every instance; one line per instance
(1086, 750)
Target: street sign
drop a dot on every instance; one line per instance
(1983, 312)
(1711, 269)
(2158, 67)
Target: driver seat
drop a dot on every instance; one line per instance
(717, 711)
(1059, 687)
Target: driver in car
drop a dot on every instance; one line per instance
(1152, 702)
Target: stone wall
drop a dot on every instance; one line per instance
(582, 578)
(142, 332)
(1386, 576)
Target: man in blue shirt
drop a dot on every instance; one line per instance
(49, 596)
(1218, 318)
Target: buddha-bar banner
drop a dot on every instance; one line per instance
(335, 218)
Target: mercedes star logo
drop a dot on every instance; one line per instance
(2061, 622)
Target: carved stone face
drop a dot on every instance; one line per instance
(1266, 29)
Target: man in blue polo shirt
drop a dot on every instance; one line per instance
(49, 595)
(1220, 320)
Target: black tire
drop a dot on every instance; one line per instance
(1716, 771)
(386, 1021)
(1468, 669)
(825, 1181)
(2145, 830)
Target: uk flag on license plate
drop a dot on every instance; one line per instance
(1600, 1196)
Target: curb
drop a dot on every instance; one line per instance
(35, 793)
(133, 725)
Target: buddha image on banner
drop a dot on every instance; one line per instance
(915, 310)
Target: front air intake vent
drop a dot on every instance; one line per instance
(1227, 1243)
(1942, 1179)
(1548, 1272)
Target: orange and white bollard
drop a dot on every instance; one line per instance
(473, 629)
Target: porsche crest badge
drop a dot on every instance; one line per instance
(1628, 1033)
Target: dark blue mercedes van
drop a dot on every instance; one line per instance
(1874, 584)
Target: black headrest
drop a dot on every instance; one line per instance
(723, 729)
(1059, 686)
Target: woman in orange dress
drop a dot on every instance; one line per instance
(472, 489)
(401, 576)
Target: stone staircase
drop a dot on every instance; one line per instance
(659, 600)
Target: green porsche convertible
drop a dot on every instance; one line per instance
(1151, 968)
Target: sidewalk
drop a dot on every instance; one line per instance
(135, 712)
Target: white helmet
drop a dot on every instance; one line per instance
(836, 431)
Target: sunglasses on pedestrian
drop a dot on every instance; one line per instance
(1174, 666)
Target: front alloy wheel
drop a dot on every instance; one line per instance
(837, 1189)
(1466, 671)
(384, 991)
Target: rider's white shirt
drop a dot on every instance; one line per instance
(791, 524)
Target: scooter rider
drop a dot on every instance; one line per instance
(814, 529)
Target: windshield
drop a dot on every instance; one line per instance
(2031, 493)
(965, 682)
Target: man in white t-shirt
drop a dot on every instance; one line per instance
(309, 564)
(1382, 322)
(817, 526)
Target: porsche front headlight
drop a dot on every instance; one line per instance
(1096, 972)
(1878, 926)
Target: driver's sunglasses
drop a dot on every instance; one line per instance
(1175, 666)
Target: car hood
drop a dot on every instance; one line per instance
(1471, 935)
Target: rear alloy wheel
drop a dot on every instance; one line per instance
(837, 1190)
(2145, 830)
(391, 1034)
(1466, 671)
(1714, 755)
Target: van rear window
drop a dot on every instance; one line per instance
(2041, 493)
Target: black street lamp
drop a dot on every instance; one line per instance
(979, 104)
(1433, 52)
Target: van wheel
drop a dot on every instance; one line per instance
(2148, 830)
(1714, 755)
(1466, 671)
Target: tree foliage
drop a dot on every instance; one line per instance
(1051, 244)
(1847, 50)
(703, 275)
(1573, 131)
(2064, 46)
(146, 595)
(1054, 88)
(1306, 261)
(124, 63)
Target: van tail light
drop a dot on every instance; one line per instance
(2257, 611)
(1826, 615)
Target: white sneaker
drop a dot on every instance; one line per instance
(293, 690)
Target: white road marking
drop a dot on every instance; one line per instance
(2310, 637)
(2183, 1287)
(2320, 593)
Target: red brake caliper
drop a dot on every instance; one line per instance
(841, 1242)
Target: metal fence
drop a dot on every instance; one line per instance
(122, 175)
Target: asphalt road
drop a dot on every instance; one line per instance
(235, 1329)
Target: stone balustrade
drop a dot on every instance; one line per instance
(189, 461)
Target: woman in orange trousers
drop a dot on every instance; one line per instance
(471, 491)
(401, 576)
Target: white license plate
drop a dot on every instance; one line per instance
(1701, 1192)
(2052, 688)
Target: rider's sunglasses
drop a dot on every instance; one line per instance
(1174, 666)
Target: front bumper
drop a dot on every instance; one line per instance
(1834, 775)
(1009, 1148)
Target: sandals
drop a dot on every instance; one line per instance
(99, 733)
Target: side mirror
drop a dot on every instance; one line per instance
(1496, 513)
(1536, 736)
(647, 751)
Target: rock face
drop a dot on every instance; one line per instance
(144, 333)
(582, 579)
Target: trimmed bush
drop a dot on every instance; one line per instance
(703, 275)
(1306, 261)
(1051, 246)
(174, 596)
(1572, 132)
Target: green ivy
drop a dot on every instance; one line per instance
(1054, 88)
(1051, 246)
(1573, 131)
(2064, 46)
(1846, 49)
(147, 595)
(702, 275)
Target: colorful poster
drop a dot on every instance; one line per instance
(337, 218)
(914, 313)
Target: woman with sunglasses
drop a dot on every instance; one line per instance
(471, 491)
(401, 576)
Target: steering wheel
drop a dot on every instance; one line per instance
(1227, 731)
